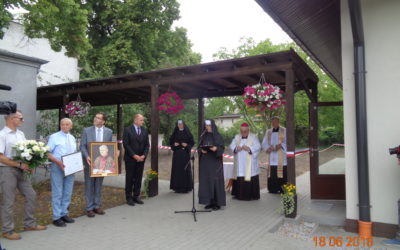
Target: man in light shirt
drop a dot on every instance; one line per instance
(61, 143)
(12, 177)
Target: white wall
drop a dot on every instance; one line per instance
(225, 123)
(381, 24)
(60, 68)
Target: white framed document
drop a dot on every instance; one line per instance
(72, 163)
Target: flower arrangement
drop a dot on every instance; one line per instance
(288, 199)
(264, 95)
(32, 153)
(77, 108)
(150, 175)
(170, 102)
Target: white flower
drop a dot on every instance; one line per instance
(21, 148)
(28, 158)
(41, 144)
(36, 148)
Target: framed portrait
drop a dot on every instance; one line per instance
(104, 159)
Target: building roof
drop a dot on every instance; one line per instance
(315, 26)
(221, 78)
(29, 59)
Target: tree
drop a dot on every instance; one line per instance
(123, 36)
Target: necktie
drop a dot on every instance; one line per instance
(138, 130)
(98, 135)
(68, 144)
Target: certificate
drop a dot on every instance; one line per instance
(72, 163)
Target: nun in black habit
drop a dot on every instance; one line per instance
(211, 170)
(181, 142)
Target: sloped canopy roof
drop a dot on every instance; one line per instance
(315, 26)
(221, 78)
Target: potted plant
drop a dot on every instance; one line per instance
(150, 175)
(289, 200)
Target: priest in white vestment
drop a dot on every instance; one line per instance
(274, 144)
(246, 148)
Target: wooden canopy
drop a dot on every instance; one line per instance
(223, 78)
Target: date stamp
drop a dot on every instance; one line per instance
(339, 241)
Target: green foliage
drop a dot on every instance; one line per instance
(5, 15)
(109, 37)
(62, 23)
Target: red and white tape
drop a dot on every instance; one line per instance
(193, 150)
(289, 153)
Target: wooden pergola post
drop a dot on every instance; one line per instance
(120, 129)
(155, 125)
(200, 118)
(61, 111)
(313, 137)
(290, 125)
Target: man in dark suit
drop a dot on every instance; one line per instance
(96, 133)
(136, 145)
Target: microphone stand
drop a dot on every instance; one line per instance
(194, 210)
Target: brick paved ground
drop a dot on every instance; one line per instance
(154, 225)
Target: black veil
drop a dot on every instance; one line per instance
(175, 134)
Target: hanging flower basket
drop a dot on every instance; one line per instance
(77, 108)
(170, 102)
(264, 96)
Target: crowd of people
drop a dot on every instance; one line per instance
(245, 146)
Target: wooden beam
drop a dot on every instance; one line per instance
(226, 81)
(305, 86)
(178, 79)
(340, 103)
(120, 129)
(155, 124)
(290, 125)
(313, 141)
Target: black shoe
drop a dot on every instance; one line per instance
(137, 200)
(67, 219)
(59, 223)
(216, 207)
(209, 206)
(130, 202)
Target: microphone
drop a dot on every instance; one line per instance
(5, 87)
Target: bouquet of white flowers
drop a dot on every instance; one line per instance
(32, 153)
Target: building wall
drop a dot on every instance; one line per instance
(21, 76)
(381, 20)
(225, 123)
(60, 68)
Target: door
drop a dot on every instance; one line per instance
(327, 169)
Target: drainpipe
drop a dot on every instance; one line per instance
(364, 223)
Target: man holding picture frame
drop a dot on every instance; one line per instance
(60, 144)
(96, 133)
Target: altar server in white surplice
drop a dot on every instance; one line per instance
(246, 148)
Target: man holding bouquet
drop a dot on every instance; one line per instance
(12, 177)
(61, 143)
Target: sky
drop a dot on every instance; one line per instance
(212, 24)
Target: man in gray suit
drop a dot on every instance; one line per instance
(96, 133)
